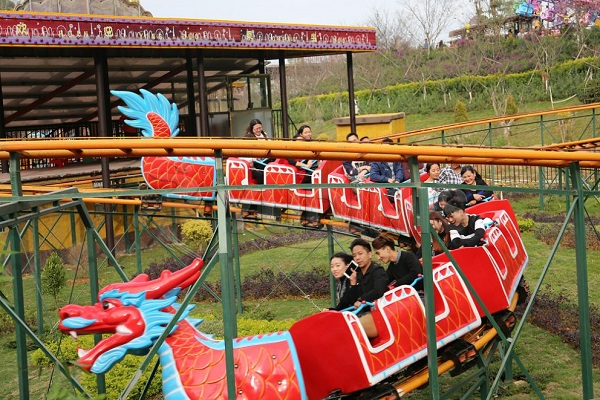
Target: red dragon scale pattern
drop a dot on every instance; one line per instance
(155, 116)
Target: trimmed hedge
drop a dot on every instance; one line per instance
(119, 376)
(416, 97)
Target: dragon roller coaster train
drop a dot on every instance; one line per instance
(326, 355)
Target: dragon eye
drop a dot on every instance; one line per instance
(107, 305)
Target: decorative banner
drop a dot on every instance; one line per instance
(39, 29)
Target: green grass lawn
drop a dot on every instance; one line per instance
(554, 366)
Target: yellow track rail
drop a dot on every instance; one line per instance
(180, 147)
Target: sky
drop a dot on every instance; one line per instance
(320, 12)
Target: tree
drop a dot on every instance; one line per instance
(393, 32)
(578, 15)
(54, 277)
(196, 233)
(431, 18)
(490, 15)
(460, 112)
(7, 5)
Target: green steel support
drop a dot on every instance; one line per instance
(73, 230)
(16, 269)
(541, 174)
(508, 370)
(39, 301)
(421, 213)
(517, 330)
(91, 231)
(236, 264)
(227, 278)
(94, 289)
(144, 393)
(126, 241)
(138, 244)
(567, 188)
(585, 338)
(594, 123)
(493, 169)
(331, 251)
(174, 226)
(17, 272)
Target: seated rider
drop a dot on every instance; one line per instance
(341, 270)
(471, 177)
(466, 230)
(456, 196)
(367, 283)
(306, 167)
(387, 172)
(404, 267)
(356, 171)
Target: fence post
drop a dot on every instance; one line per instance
(541, 175)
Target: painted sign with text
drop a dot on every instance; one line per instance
(68, 30)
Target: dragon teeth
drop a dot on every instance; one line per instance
(123, 330)
(81, 352)
(73, 334)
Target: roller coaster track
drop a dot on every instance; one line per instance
(580, 145)
(481, 339)
(558, 113)
(556, 155)
(208, 147)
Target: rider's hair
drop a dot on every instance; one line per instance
(345, 257)
(348, 136)
(383, 240)
(360, 242)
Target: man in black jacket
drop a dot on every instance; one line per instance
(368, 282)
(404, 266)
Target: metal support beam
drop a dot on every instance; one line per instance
(236, 263)
(585, 338)
(421, 213)
(16, 269)
(351, 100)
(39, 302)
(138, 244)
(104, 130)
(331, 251)
(94, 289)
(191, 97)
(4, 163)
(227, 278)
(283, 95)
(203, 96)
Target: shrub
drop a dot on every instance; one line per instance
(54, 277)
(154, 269)
(118, 377)
(65, 350)
(266, 283)
(460, 112)
(7, 324)
(525, 224)
(511, 105)
(323, 137)
(196, 232)
(122, 372)
(590, 92)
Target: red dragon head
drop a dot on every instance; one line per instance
(133, 312)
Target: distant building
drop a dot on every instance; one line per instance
(103, 7)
